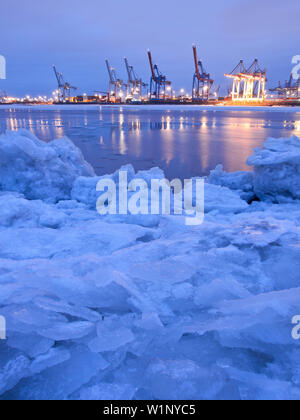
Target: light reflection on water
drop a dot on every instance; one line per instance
(183, 142)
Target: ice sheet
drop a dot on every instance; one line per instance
(145, 306)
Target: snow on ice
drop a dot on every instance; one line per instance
(277, 170)
(37, 169)
(145, 307)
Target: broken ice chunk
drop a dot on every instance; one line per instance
(54, 357)
(67, 331)
(110, 337)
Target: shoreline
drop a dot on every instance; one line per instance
(158, 107)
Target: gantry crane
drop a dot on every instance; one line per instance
(256, 87)
(158, 83)
(290, 90)
(115, 87)
(238, 80)
(202, 83)
(135, 84)
(64, 88)
(248, 84)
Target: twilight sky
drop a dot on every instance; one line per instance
(78, 35)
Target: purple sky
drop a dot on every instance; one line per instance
(77, 36)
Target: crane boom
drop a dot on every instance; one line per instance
(109, 71)
(152, 67)
(127, 68)
(59, 77)
(196, 62)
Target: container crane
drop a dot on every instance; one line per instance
(158, 82)
(256, 85)
(202, 83)
(115, 87)
(64, 88)
(248, 84)
(237, 75)
(135, 84)
(290, 90)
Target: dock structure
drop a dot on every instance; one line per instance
(248, 88)
(249, 85)
(202, 83)
(116, 86)
(160, 87)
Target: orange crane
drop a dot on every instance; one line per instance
(202, 83)
(158, 83)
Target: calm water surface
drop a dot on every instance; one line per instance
(183, 141)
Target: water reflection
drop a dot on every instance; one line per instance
(183, 142)
(297, 126)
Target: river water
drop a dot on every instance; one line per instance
(184, 141)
